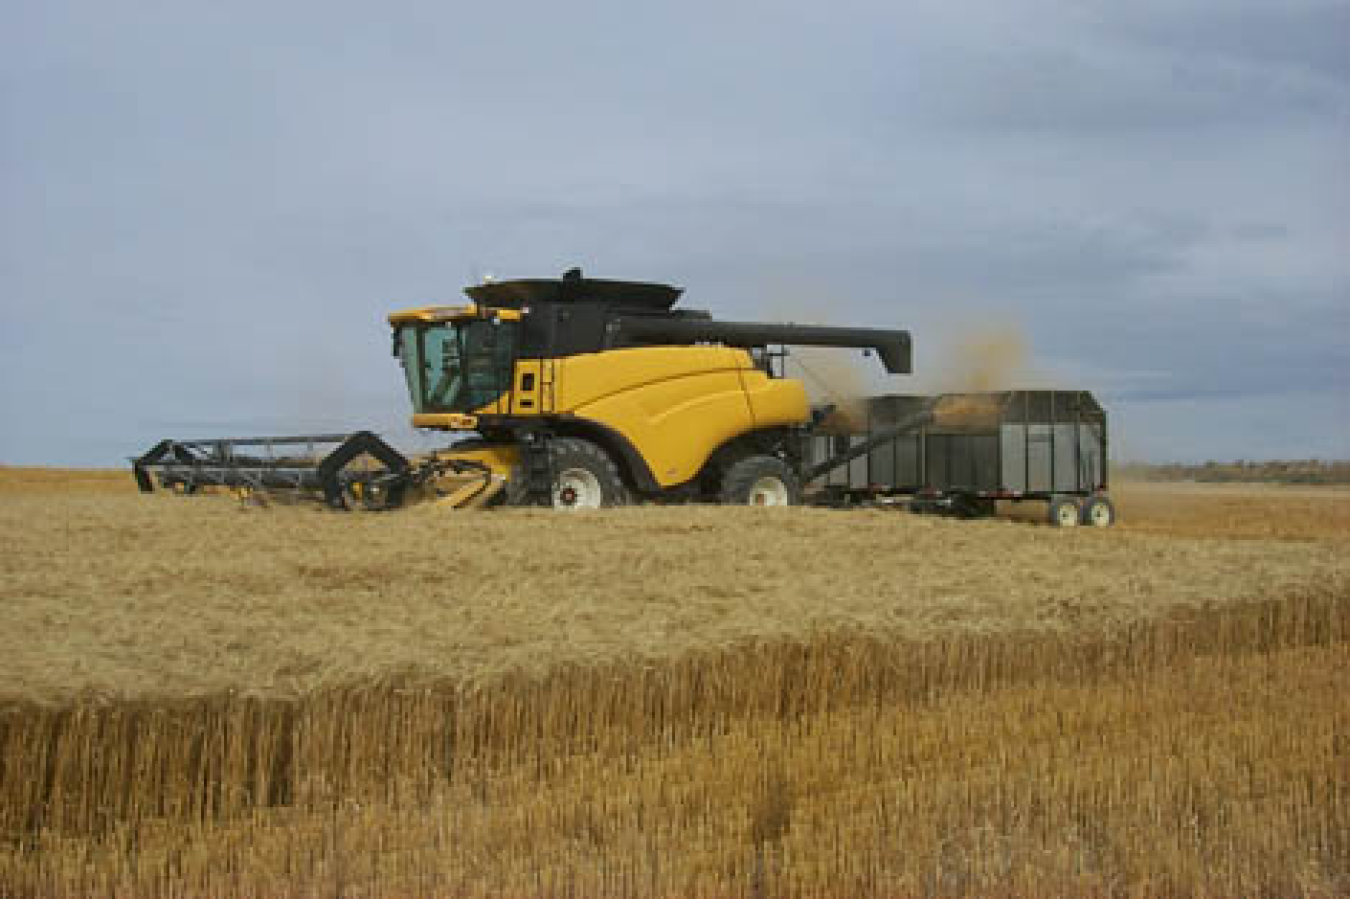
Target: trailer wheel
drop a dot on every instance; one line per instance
(1099, 512)
(584, 476)
(1064, 512)
(760, 481)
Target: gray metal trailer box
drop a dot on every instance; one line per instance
(1014, 444)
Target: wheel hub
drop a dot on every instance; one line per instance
(577, 488)
(768, 491)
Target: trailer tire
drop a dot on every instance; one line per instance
(584, 477)
(1099, 512)
(1065, 512)
(760, 481)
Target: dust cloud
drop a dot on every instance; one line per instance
(978, 358)
(973, 359)
(834, 377)
(952, 355)
(840, 377)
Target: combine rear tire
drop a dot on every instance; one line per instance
(584, 476)
(760, 481)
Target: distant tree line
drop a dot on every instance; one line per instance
(1295, 471)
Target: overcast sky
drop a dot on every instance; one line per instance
(207, 209)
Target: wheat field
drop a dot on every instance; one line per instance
(199, 698)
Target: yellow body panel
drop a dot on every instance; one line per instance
(531, 391)
(432, 314)
(451, 313)
(499, 457)
(676, 405)
(775, 401)
(472, 489)
(445, 421)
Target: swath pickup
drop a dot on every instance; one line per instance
(342, 470)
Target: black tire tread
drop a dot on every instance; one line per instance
(1086, 519)
(1054, 507)
(574, 452)
(741, 475)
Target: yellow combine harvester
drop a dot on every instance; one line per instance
(579, 393)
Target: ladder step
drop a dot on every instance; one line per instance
(538, 467)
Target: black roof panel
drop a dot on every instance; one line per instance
(620, 294)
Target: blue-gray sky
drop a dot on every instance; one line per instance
(206, 209)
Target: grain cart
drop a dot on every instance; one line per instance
(961, 453)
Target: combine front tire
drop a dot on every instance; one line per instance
(760, 481)
(584, 476)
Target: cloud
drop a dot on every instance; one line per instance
(209, 209)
